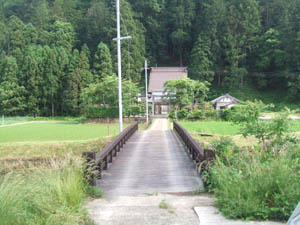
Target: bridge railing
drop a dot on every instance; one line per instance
(97, 162)
(197, 153)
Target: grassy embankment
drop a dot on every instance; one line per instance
(52, 193)
(45, 195)
(250, 183)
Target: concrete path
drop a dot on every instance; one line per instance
(210, 215)
(151, 161)
(146, 210)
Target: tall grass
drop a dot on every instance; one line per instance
(252, 184)
(48, 195)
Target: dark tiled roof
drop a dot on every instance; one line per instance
(159, 75)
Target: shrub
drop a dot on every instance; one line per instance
(226, 150)
(101, 112)
(133, 111)
(225, 114)
(46, 195)
(196, 115)
(182, 114)
(172, 114)
(211, 113)
(256, 186)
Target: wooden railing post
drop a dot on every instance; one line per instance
(193, 148)
(90, 166)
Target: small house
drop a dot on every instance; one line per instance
(225, 101)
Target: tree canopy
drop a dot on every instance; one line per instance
(59, 47)
(185, 92)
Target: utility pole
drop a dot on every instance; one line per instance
(146, 80)
(118, 39)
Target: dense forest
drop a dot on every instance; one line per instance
(51, 50)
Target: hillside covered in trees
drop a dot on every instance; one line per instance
(51, 50)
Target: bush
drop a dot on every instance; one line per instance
(46, 195)
(255, 185)
(225, 114)
(172, 114)
(133, 111)
(226, 150)
(182, 114)
(196, 115)
(101, 112)
(211, 113)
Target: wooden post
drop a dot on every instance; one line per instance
(90, 166)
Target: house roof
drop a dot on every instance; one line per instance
(233, 99)
(159, 75)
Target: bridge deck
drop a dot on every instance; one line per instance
(151, 161)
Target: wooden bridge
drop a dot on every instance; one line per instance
(151, 161)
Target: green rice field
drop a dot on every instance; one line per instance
(221, 127)
(55, 132)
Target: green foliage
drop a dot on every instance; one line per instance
(180, 15)
(12, 95)
(44, 196)
(250, 186)
(101, 112)
(229, 44)
(112, 112)
(227, 151)
(95, 192)
(134, 111)
(102, 62)
(182, 114)
(212, 127)
(134, 49)
(54, 131)
(196, 115)
(185, 91)
(105, 94)
(273, 131)
(201, 60)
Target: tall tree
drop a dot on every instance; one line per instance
(79, 78)
(12, 95)
(31, 78)
(201, 62)
(180, 17)
(102, 62)
(242, 25)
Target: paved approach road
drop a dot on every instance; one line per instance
(151, 161)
